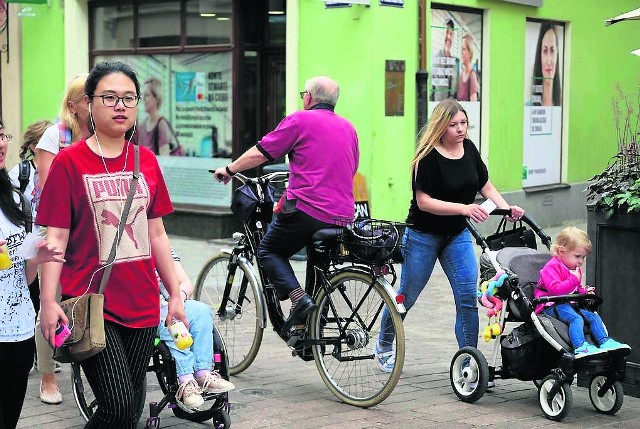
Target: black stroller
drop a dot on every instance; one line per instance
(538, 349)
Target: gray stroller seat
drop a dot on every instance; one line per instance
(526, 263)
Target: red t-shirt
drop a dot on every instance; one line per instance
(81, 196)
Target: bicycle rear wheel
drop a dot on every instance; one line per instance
(348, 322)
(240, 326)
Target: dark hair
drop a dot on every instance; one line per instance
(8, 205)
(537, 66)
(450, 25)
(103, 69)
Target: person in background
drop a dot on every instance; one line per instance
(547, 88)
(17, 313)
(23, 176)
(82, 174)
(194, 364)
(562, 275)
(468, 85)
(323, 158)
(72, 125)
(445, 67)
(155, 132)
(447, 173)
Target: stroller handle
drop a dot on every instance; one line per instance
(480, 240)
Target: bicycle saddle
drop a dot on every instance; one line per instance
(327, 233)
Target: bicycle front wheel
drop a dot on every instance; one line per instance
(240, 325)
(346, 325)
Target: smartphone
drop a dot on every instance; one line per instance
(488, 205)
(62, 333)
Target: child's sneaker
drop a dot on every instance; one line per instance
(612, 344)
(587, 349)
(212, 382)
(189, 394)
(385, 360)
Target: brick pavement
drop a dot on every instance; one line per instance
(281, 391)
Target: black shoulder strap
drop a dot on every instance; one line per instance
(26, 209)
(24, 173)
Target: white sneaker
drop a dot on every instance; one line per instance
(212, 382)
(189, 394)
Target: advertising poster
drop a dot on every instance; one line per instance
(185, 117)
(456, 62)
(542, 140)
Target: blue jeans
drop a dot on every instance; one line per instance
(458, 261)
(200, 354)
(567, 314)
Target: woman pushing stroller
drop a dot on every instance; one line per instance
(562, 275)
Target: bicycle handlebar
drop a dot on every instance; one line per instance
(277, 176)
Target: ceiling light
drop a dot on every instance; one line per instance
(207, 15)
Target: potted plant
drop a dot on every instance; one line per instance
(613, 224)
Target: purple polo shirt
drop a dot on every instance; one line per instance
(323, 159)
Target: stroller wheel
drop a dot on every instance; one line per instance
(607, 401)
(469, 374)
(222, 420)
(555, 407)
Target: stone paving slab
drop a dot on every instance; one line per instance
(280, 391)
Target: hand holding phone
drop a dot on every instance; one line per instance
(62, 333)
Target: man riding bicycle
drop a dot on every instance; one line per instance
(323, 159)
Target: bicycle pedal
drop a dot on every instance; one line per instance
(296, 334)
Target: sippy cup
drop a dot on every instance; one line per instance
(181, 335)
(5, 260)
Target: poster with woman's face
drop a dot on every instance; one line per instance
(185, 118)
(456, 62)
(543, 93)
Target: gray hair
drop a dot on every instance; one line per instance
(323, 90)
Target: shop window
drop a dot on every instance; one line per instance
(277, 22)
(159, 24)
(208, 22)
(113, 27)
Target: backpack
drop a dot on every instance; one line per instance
(24, 174)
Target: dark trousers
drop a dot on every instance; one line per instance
(288, 234)
(16, 360)
(117, 372)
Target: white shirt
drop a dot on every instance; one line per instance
(17, 316)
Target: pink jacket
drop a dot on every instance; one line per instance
(556, 279)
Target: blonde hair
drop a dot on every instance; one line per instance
(432, 132)
(571, 238)
(32, 136)
(74, 93)
(467, 41)
(155, 85)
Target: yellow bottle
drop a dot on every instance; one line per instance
(181, 335)
(5, 260)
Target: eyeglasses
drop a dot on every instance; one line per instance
(110, 100)
(6, 137)
(302, 94)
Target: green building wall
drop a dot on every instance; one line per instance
(43, 68)
(351, 45)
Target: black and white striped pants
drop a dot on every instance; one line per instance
(117, 372)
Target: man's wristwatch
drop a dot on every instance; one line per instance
(228, 170)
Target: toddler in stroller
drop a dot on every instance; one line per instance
(539, 349)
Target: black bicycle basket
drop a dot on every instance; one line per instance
(372, 241)
(246, 199)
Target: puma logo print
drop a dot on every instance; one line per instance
(109, 218)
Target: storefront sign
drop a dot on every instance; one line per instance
(394, 88)
(397, 3)
(542, 141)
(456, 63)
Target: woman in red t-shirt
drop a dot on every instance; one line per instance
(82, 213)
